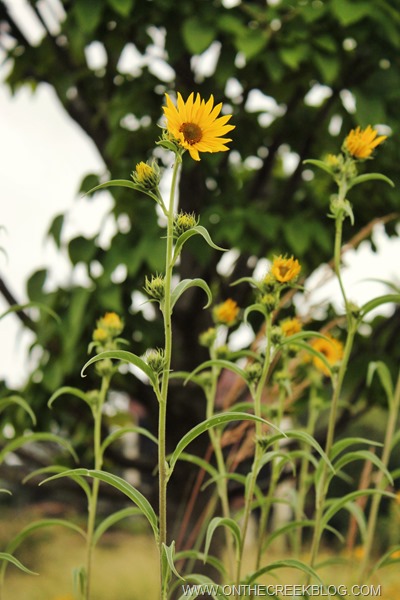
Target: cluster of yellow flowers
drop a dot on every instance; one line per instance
(108, 327)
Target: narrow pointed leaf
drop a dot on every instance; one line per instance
(125, 356)
(115, 435)
(320, 164)
(341, 445)
(72, 391)
(254, 308)
(283, 564)
(198, 230)
(222, 364)
(366, 456)
(11, 559)
(37, 437)
(370, 177)
(17, 400)
(386, 299)
(223, 522)
(384, 375)
(169, 553)
(185, 284)
(113, 183)
(124, 513)
(339, 503)
(60, 469)
(120, 484)
(39, 305)
(214, 421)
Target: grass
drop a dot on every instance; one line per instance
(126, 566)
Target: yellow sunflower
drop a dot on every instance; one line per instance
(226, 313)
(195, 125)
(332, 349)
(285, 269)
(291, 326)
(361, 143)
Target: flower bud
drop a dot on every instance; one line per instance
(146, 176)
(183, 222)
(155, 287)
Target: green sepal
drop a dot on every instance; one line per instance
(185, 284)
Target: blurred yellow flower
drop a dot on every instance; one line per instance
(285, 269)
(359, 552)
(361, 143)
(111, 324)
(332, 349)
(290, 326)
(195, 125)
(395, 554)
(397, 499)
(226, 313)
(100, 334)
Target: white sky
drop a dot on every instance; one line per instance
(43, 157)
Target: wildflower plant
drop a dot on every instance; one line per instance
(268, 372)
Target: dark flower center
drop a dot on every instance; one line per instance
(191, 132)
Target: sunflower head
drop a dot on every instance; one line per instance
(196, 126)
(226, 313)
(360, 143)
(332, 349)
(285, 270)
(291, 326)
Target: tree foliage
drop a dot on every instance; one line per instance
(267, 62)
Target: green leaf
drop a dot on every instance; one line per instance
(113, 183)
(342, 445)
(338, 503)
(311, 350)
(35, 283)
(115, 435)
(55, 229)
(283, 564)
(125, 356)
(39, 305)
(37, 525)
(9, 558)
(223, 522)
(251, 43)
(169, 554)
(214, 421)
(122, 7)
(36, 437)
(384, 375)
(349, 12)
(254, 308)
(194, 554)
(221, 364)
(18, 401)
(320, 164)
(370, 177)
(72, 391)
(198, 230)
(81, 249)
(120, 484)
(111, 520)
(200, 462)
(387, 298)
(60, 469)
(88, 14)
(366, 456)
(185, 284)
(197, 35)
(305, 438)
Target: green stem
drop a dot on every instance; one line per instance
(162, 397)
(98, 463)
(257, 451)
(323, 485)
(304, 475)
(267, 505)
(380, 481)
(222, 484)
